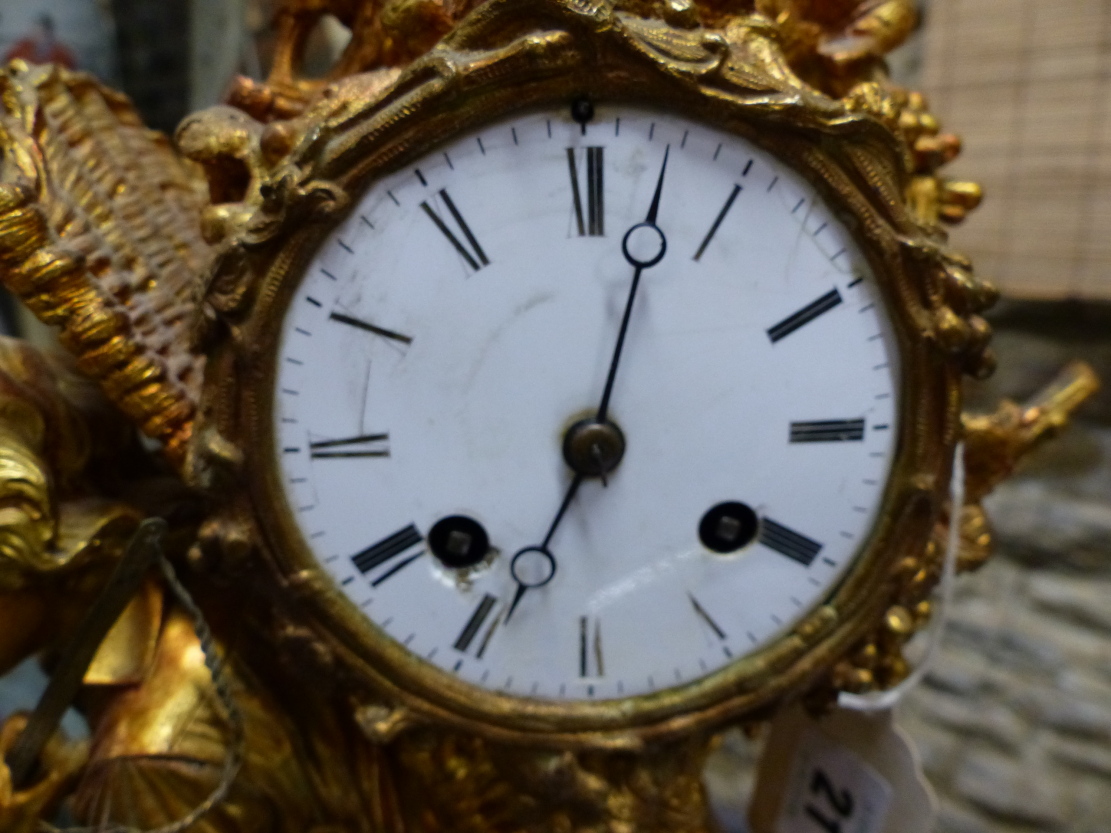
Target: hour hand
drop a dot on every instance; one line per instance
(520, 594)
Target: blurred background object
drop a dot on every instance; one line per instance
(153, 45)
(83, 30)
(1027, 85)
(1014, 720)
(221, 45)
(41, 46)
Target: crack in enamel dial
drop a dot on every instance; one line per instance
(436, 403)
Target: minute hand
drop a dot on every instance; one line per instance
(651, 248)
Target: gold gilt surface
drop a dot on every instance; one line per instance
(736, 78)
(101, 238)
(164, 271)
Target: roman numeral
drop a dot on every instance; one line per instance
(368, 445)
(594, 226)
(474, 625)
(590, 649)
(701, 611)
(828, 431)
(804, 316)
(370, 328)
(388, 549)
(787, 542)
(474, 256)
(717, 222)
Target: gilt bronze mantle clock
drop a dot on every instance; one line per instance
(551, 386)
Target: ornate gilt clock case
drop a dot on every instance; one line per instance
(170, 273)
(509, 58)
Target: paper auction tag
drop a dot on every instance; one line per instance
(831, 789)
(849, 772)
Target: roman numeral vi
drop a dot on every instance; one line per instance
(590, 648)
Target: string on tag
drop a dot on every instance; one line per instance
(233, 759)
(882, 700)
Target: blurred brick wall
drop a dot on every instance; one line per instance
(153, 39)
(1027, 84)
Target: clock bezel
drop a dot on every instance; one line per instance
(857, 165)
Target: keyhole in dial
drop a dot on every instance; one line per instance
(458, 541)
(728, 527)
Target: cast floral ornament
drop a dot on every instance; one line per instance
(162, 268)
(22, 810)
(889, 149)
(289, 165)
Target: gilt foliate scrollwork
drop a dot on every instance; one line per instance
(871, 147)
(742, 55)
(994, 444)
(809, 69)
(832, 44)
(22, 811)
(99, 236)
(156, 266)
(53, 520)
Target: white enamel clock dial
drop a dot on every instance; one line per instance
(451, 331)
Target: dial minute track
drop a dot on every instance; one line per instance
(395, 297)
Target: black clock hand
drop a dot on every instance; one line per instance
(535, 566)
(571, 490)
(648, 229)
(655, 207)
